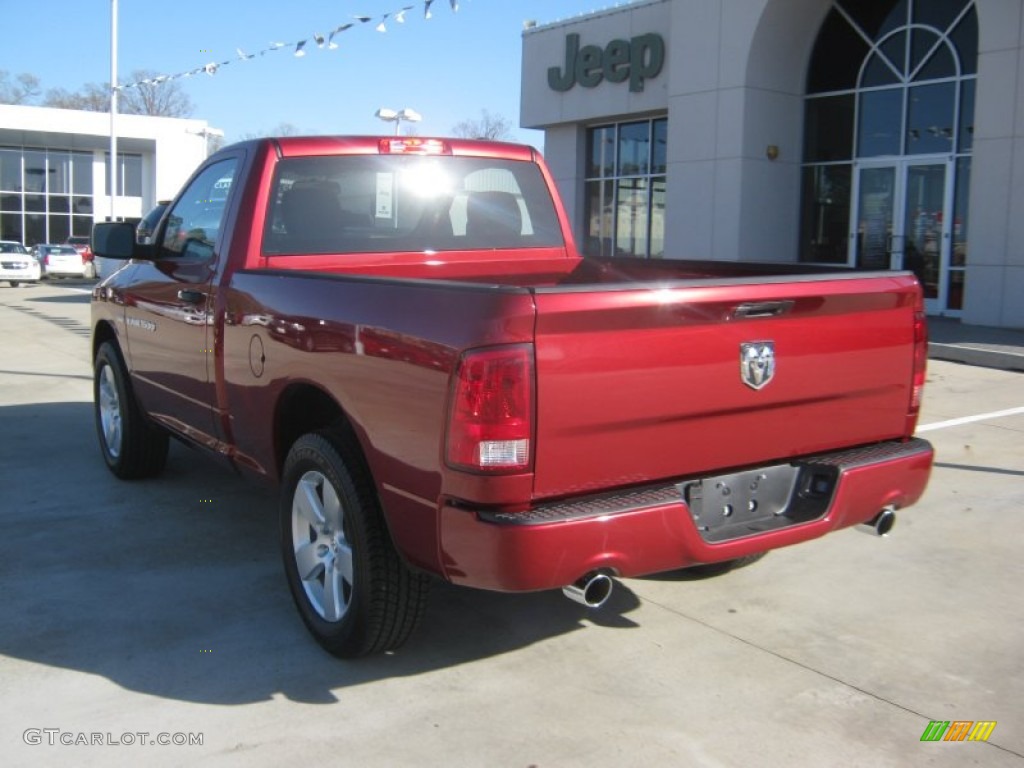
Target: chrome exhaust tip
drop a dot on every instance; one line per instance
(880, 524)
(593, 590)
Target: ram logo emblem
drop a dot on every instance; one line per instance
(757, 363)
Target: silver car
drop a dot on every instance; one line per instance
(16, 264)
(61, 260)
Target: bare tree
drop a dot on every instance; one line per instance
(145, 97)
(495, 127)
(283, 128)
(24, 88)
(90, 97)
(151, 97)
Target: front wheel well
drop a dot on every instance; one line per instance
(103, 332)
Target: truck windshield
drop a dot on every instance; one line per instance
(391, 203)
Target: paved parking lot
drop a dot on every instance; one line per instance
(160, 608)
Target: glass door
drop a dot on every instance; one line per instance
(875, 223)
(924, 237)
(902, 222)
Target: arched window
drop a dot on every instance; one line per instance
(888, 129)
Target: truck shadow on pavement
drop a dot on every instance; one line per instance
(173, 587)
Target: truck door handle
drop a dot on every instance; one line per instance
(191, 297)
(762, 309)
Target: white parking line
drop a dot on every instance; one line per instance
(969, 419)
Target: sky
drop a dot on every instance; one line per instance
(447, 68)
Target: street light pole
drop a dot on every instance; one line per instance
(391, 116)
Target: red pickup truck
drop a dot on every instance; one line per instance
(400, 335)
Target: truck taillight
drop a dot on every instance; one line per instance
(920, 367)
(490, 413)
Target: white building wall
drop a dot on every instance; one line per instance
(564, 115)
(994, 293)
(171, 148)
(732, 85)
(735, 89)
(564, 151)
(544, 47)
(178, 153)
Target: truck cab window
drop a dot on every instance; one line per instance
(394, 203)
(195, 220)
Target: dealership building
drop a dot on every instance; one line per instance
(877, 134)
(54, 168)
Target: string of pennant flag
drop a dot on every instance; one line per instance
(298, 48)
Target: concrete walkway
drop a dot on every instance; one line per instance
(1002, 348)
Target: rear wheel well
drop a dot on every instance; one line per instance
(304, 408)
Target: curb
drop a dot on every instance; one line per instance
(987, 358)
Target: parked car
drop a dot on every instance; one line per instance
(147, 226)
(61, 261)
(17, 265)
(83, 244)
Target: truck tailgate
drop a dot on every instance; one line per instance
(643, 383)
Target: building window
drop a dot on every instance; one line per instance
(10, 170)
(36, 202)
(888, 127)
(625, 189)
(129, 175)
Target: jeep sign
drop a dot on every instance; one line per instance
(636, 59)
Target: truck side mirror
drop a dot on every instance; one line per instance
(116, 240)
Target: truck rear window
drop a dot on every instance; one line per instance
(370, 204)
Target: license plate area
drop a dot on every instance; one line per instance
(727, 507)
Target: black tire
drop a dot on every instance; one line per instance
(358, 596)
(14, 283)
(132, 446)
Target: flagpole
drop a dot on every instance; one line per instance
(113, 106)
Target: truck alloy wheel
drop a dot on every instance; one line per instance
(323, 554)
(352, 590)
(108, 403)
